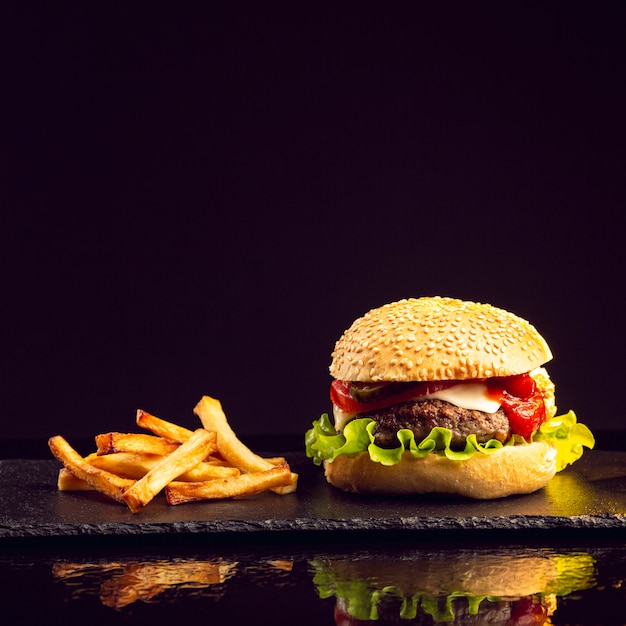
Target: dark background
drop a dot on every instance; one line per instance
(200, 202)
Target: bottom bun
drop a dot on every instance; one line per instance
(510, 470)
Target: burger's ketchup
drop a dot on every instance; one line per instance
(522, 402)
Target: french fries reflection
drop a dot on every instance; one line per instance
(119, 584)
(206, 464)
(122, 583)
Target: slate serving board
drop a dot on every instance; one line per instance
(588, 495)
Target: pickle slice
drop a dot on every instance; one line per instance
(372, 392)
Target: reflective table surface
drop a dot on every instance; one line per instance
(398, 569)
(350, 578)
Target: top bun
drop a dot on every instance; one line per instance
(435, 338)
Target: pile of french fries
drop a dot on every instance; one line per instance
(208, 463)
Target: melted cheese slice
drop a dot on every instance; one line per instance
(471, 396)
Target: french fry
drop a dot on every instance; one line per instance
(209, 471)
(127, 464)
(137, 465)
(214, 459)
(212, 416)
(276, 460)
(108, 443)
(184, 458)
(162, 427)
(68, 482)
(173, 432)
(105, 482)
(246, 484)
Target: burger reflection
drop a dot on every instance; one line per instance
(119, 584)
(467, 587)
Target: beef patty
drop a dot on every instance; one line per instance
(421, 416)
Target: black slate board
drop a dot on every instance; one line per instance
(588, 495)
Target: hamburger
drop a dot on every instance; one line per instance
(495, 586)
(440, 395)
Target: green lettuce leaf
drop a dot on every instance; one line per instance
(568, 436)
(324, 443)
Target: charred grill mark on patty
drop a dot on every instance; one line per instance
(421, 416)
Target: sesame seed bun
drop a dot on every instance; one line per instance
(435, 338)
(511, 470)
